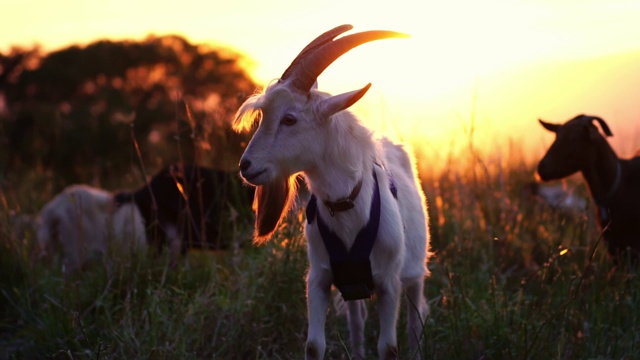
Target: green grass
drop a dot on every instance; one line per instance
(511, 279)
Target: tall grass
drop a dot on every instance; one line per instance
(510, 279)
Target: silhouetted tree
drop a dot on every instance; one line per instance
(73, 112)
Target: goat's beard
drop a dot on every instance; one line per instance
(271, 203)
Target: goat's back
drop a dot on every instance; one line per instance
(80, 223)
(623, 231)
(634, 168)
(74, 223)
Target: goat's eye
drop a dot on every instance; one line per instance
(288, 120)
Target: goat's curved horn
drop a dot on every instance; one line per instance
(324, 50)
(317, 42)
(590, 118)
(603, 125)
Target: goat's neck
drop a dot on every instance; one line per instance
(347, 160)
(601, 174)
(334, 181)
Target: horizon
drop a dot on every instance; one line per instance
(484, 66)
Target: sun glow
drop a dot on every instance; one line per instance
(485, 69)
(480, 72)
(485, 74)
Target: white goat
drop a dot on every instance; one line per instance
(351, 174)
(558, 196)
(83, 222)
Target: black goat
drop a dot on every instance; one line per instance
(183, 206)
(614, 183)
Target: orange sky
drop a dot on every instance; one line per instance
(503, 63)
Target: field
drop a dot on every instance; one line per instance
(511, 278)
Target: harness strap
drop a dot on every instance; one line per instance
(364, 240)
(352, 269)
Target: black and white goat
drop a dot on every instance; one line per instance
(614, 183)
(180, 207)
(183, 206)
(367, 226)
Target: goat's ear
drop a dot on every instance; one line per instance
(549, 126)
(334, 104)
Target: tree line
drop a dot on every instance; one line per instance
(90, 112)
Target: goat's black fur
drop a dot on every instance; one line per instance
(614, 183)
(195, 207)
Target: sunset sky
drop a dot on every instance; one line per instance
(501, 63)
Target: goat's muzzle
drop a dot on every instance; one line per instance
(252, 174)
(543, 172)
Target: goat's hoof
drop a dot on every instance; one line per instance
(391, 353)
(311, 353)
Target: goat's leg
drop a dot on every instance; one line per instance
(356, 316)
(417, 311)
(175, 244)
(318, 291)
(71, 243)
(388, 299)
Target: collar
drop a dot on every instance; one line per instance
(615, 185)
(603, 207)
(344, 203)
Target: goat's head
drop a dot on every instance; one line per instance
(573, 147)
(291, 116)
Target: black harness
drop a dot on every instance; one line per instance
(352, 268)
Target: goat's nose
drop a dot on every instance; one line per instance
(245, 164)
(542, 170)
(543, 165)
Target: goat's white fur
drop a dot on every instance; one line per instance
(83, 222)
(558, 196)
(333, 150)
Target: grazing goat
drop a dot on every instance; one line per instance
(360, 236)
(558, 197)
(83, 222)
(183, 206)
(614, 183)
(180, 207)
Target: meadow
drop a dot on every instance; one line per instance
(511, 278)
